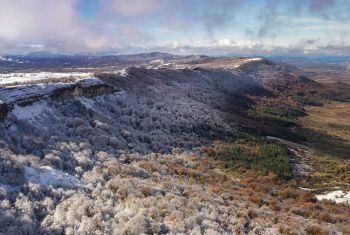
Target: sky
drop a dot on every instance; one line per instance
(213, 27)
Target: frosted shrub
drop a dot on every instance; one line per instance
(52, 160)
(83, 159)
(23, 205)
(138, 224)
(11, 171)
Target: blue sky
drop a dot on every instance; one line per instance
(176, 26)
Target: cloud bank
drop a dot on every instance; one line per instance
(196, 26)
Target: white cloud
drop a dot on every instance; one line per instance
(224, 42)
(46, 24)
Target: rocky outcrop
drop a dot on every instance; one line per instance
(87, 88)
(27, 94)
(3, 109)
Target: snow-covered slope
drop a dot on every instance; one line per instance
(48, 176)
(35, 114)
(148, 110)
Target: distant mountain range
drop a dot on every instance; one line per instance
(54, 61)
(161, 55)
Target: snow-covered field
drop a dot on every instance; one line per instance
(19, 78)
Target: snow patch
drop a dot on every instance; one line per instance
(245, 61)
(6, 59)
(46, 175)
(337, 196)
(122, 72)
(159, 61)
(305, 189)
(92, 81)
(252, 59)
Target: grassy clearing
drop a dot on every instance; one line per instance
(282, 115)
(328, 173)
(327, 130)
(307, 101)
(332, 119)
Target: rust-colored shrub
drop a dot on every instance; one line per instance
(274, 204)
(315, 229)
(288, 193)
